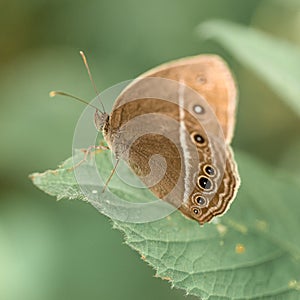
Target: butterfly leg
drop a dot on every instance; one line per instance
(88, 152)
(111, 175)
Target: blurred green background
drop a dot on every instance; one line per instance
(67, 250)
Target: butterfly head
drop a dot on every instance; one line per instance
(101, 120)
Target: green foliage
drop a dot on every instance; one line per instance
(68, 250)
(253, 252)
(275, 60)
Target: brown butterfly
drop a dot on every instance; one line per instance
(198, 183)
(173, 125)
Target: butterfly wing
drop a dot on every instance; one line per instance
(164, 141)
(210, 76)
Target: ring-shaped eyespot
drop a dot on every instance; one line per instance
(205, 183)
(196, 211)
(198, 109)
(201, 79)
(198, 139)
(209, 170)
(199, 200)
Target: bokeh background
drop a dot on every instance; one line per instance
(67, 250)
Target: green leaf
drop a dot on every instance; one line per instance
(288, 3)
(252, 253)
(289, 163)
(275, 60)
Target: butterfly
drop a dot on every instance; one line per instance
(183, 114)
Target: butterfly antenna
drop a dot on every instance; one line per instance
(91, 77)
(55, 93)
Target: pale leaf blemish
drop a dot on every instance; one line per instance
(54, 172)
(294, 284)
(240, 249)
(222, 229)
(215, 221)
(261, 225)
(166, 278)
(237, 226)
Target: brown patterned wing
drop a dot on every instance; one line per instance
(210, 76)
(181, 154)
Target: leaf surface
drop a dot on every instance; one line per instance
(253, 252)
(275, 60)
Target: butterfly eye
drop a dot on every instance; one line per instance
(205, 183)
(198, 199)
(201, 79)
(198, 139)
(209, 170)
(195, 210)
(198, 109)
